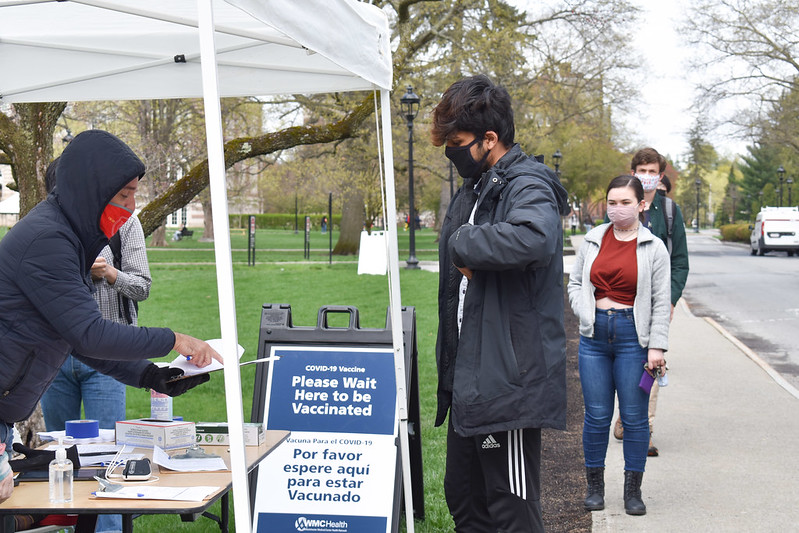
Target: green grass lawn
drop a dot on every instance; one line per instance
(184, 297)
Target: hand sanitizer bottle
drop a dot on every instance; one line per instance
(60, 476)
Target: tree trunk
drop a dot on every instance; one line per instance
(208, 215)
(159, 236)
(352, 219)
(27, 139)
(29, 429)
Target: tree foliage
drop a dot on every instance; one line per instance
(751, 51)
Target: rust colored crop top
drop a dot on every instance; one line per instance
(615, 270)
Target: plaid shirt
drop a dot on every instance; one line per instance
(133, 278)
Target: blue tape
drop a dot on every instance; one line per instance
(83, 429)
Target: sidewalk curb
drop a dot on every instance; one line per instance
(767, 368)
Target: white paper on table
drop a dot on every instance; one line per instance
(189, 494)
(190, 370)
(106, 435)
(100, 454)
(207, 464)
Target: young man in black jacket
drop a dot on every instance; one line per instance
(501, 348)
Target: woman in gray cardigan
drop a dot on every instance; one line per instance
(620, 291)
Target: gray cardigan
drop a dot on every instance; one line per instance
(652, 306)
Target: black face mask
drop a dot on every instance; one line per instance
(461, 157)
(661, 192)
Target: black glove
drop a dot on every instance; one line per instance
(164, 380)
(40, 459)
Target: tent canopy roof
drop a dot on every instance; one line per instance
(125, 49)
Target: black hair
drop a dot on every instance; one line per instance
(475, 105)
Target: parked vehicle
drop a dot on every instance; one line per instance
(775, 229)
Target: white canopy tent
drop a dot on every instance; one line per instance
(152, 49)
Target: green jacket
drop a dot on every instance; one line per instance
(679, 246)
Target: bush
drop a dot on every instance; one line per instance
(735, 232)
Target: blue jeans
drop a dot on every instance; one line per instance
(103, 400)
(103, 397)
(612, 363)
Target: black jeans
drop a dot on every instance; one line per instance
(492, 482)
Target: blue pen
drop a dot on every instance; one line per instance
(140, 495)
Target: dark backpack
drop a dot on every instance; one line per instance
(124, 302)
(669, 208)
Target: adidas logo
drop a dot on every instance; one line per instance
(490, 442)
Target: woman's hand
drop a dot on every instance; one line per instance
(656, 360)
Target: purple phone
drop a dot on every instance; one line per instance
(646, 382)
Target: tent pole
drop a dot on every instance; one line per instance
(224, 264)
(395, 307)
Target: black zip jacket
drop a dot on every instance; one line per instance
(508, 368)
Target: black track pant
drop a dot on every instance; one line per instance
(492, 483)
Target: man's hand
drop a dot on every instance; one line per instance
(101, 269)
(163, 380)
(199, 353)
(465, 271)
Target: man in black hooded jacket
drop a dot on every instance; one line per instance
(501, 348)
(46, 304)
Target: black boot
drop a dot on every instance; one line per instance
(595, 498)
(633, 504)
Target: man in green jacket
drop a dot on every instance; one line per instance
(663, 218)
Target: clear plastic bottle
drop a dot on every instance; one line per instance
(60, 476)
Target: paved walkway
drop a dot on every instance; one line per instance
(727, 431)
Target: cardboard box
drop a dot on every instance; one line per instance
(145, 432)
(217, 433)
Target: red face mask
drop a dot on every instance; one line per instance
(114, 217)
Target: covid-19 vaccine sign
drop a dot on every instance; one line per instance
(335, 473)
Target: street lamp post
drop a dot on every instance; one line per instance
(410, 108)
(556, 157)
(733, 195)
(781, 174)
(698, 183)
(789, 181)
(760, 200)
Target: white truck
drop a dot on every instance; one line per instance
(775, 229)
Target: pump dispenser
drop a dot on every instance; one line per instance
(60, 476)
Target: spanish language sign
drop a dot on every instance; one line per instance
(335, 472)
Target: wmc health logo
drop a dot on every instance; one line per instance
(320, 524)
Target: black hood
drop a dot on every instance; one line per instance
(517, 163)
(93, 168)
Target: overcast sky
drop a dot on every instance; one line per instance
(663, 119)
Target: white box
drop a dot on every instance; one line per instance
(145, 432)
(217, 433)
